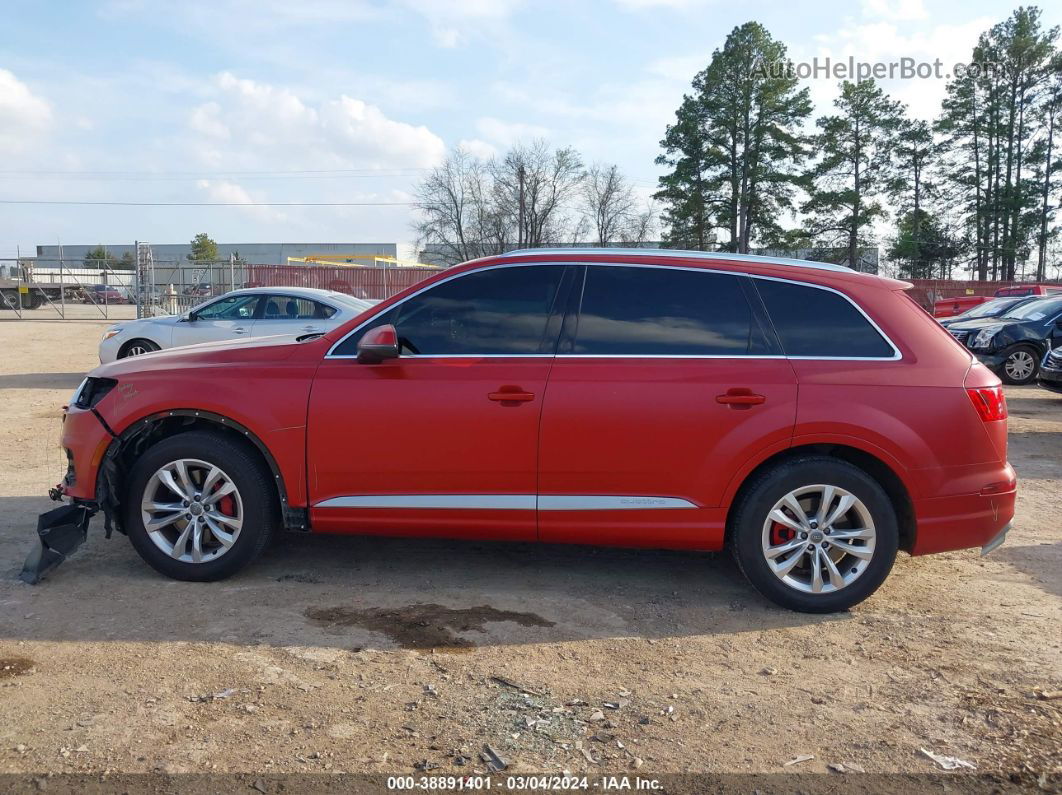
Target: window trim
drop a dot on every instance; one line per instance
(291, 296)
(897, 355)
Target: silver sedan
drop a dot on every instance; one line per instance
(252, 312)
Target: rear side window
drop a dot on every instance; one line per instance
(664, 312)
(815, 322)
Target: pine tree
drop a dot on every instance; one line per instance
(854, 171)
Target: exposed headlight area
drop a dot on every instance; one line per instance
(984, 337)
(113, 331)
(92, 391)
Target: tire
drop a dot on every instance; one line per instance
(1021, 365)
(753, 534)
(253, 503)
(137, 347)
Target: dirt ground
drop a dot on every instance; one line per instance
(391, 656)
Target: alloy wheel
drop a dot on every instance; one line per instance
(818, 538)
(192, 510)
(1020, 365)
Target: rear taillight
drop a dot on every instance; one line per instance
(990, 402)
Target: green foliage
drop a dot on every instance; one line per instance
(735, 148)
(204, 249)
(854, 171)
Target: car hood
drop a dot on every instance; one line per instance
(251, 349)
(164, 320)
(981, 322)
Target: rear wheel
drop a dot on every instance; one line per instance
(1021, 365)
(815, 534)
(137, 348)
(199, 506)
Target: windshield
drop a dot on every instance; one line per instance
(990, 308)
(1036, 310)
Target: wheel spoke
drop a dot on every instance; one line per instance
(197, 541)
(787, 565)
(847, 534)
(792, 504)
(163, 507)
(223, 538)
(782, 549)
(844, 505)
(828, 493)
(816, 570)
(167, 480)
(210, 480)
(780, 516)
(180, 546)
(158, 522)
(226, 488)
(184, 478)
(858, 552)
(836, 579)
(232, 521)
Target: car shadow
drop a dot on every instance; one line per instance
(368, 592)
(1041, 562)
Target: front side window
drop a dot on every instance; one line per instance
(820, 323)
(493, 311)
(632, 311)
(234, 307)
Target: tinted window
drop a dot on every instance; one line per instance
(285, 307)
(234, 307)
(814, 322)
(493, 311)
(1041, 309)
(664, 312)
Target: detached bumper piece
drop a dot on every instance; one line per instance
(61, 531)
(996, 542)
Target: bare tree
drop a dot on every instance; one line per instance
(457, 212)
(608, 200)
(534, 184)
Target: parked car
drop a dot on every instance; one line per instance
(1013, 345)
(1050, 375)
(951, 307)
(995, 307)
(254, 312)
(104, 294)
(803, 415)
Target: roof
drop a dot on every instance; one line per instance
(299, 292)
(712, 256)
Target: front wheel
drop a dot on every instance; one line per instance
(815, 534)
(137, 347)
(200, 506)
(1021, 366)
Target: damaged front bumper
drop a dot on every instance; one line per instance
(60, 531)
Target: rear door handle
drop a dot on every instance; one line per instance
(239, 330)
(740, 397)
(515, 394)
(310, 328)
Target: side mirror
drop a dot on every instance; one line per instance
(378, 344)
(187, 317)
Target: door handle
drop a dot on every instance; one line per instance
(740, 397)
(513, 394)
(239, 330)
(310, 328)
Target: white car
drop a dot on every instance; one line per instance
(252, 312)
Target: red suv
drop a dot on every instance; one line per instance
(811, 419)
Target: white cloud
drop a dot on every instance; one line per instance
(255, 123)
(896, 10)
(643, 5)
(504, 134)
(478, 148)
(454, 22)
(23, 115)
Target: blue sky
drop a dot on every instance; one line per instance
(145, 100)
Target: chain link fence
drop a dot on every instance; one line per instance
(37, 288)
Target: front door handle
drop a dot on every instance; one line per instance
(511, 394)
(239, 330)
(740, 398)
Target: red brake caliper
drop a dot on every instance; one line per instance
(780, 534)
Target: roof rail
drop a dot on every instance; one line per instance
(680, 253)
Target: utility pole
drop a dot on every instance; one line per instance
(520, 232)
